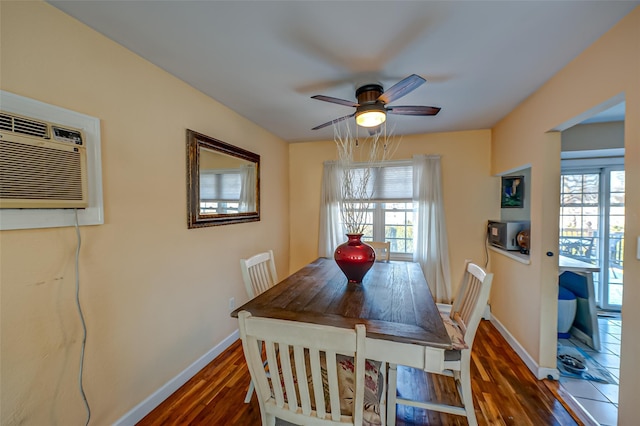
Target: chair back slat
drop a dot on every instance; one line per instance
(303, 369)
(316, 382)
(305, 398)
(288, 378)
(332, 376)
(276, 384)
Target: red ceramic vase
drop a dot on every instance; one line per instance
(355, 258)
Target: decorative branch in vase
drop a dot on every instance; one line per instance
(357, 160)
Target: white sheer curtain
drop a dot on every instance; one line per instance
(332, 232)
(431, 244)
(248, 188)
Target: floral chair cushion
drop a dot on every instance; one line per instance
(454, 331)
(346, 376)
(372, 390)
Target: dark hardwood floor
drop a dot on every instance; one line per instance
(504, 392)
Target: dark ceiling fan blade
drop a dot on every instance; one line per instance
(413, 110)
(337, 120)
(402, 88)
(335, 100)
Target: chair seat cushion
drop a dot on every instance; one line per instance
(346, 378)
(372, 389)
(454, 331)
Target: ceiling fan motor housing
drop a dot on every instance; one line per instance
(368, 93)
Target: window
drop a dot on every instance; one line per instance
(390, 213)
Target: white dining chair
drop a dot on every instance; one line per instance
(382, 248)
(259, 274)
(461, 323)
(321, 371)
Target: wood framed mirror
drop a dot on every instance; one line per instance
(223, 183)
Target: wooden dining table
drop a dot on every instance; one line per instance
(393, 302)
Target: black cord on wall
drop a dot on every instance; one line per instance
(486, 248)
(84, 326)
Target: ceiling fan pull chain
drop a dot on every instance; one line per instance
(385, 136)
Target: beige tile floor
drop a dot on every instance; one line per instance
(599, 399)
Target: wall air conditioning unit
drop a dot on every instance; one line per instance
(42, 165)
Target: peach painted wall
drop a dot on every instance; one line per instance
(155, 294)
(527, 305)
(471, 194)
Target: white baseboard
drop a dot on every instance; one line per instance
(532, 365)
(487, 313)
(152, 401)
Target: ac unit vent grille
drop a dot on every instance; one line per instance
(6, 123)
(38, 172)
(24, 126)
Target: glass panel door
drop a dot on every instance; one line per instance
(592, 227)
(612, 294)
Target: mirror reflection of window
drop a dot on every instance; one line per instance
(227, 191)
(219, 191)
(227, 184)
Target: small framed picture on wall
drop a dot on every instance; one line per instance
(512, 192)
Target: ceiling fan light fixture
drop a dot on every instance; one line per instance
(370, 116)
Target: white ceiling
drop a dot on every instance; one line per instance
(265, 59)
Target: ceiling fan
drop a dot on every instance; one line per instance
(372, 109)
